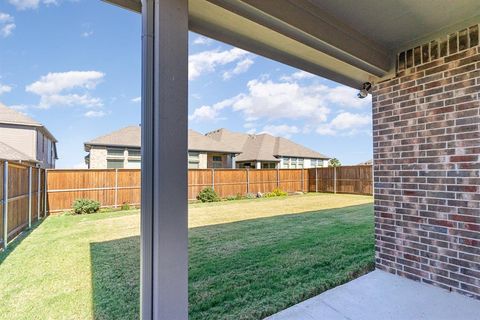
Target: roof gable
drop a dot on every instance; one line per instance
(11, 116)
(263, 147)
(131, 137)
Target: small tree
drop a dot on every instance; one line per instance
(334, 162)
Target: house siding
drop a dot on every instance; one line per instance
(426, 143)
(19, 137)
(98, 158)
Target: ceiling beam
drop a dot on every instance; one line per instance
(244, 24)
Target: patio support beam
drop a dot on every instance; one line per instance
(164, 228)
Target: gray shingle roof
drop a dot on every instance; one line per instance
(8, 152)
(131, 137)
(11, 116)
(263, 147)
(8, 115)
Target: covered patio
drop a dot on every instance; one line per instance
(420, 60)
(380, 295)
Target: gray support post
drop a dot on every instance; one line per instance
(116, 188)
(164, 227)
(29, 197)
(45, 198)
(5, 204)
(213, 179)
(335, 180)
(316, 179)
(39, 182)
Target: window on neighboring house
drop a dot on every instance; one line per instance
(114, 164)
(193, 160)
(116, 152)
(134, 164)
(293, 163)
(286, 163)
(217, 162)
(300, 163)
(268, 165)
(134, 153)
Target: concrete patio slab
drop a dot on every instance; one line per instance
(383, 296)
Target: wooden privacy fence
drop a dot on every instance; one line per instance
(114, 187)
(23, 198)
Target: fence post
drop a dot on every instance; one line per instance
(45, 193)
(248, 180)
(29, 197)
(334, 180)
(278, 176)
(116, 188)
(303, 179)
(316, 179)
(39, 182)
(213, 179)
(5, 204)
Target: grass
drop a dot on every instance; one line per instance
(248, 259)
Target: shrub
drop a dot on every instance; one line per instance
(208, 195)
(85, 206)
(230, 198)
(125, 206)
(239, 197)
(275, 193)
(251, 195)
(279, 192)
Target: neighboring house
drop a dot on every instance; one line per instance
(121, 149)
(366, 163)
(262, 151)
(25, 140)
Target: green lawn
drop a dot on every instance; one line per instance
(267, 254)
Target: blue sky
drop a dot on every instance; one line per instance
(74, 65)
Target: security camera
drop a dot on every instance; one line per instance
(363, 93)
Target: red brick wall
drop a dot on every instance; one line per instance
(427, 166)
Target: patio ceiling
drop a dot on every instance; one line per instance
(347, 41)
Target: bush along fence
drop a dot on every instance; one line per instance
(23, 198)
(116, 187)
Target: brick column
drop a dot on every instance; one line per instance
(427, 165)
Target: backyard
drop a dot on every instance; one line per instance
(247, 259)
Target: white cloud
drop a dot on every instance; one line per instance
(95, 114)
(19, 107)
(201, 40)
(299, 75)
(31, 4)
(7, 24)
(207, 61)
(86, 34)
(136, 100)
(303, 108)
(282, 130)
(210, 113)
(345, 123)
(241, 67)
(347, 97)
(68, 100)
(55, 89)
(282, 100)
(4, 89)
(203, 113)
